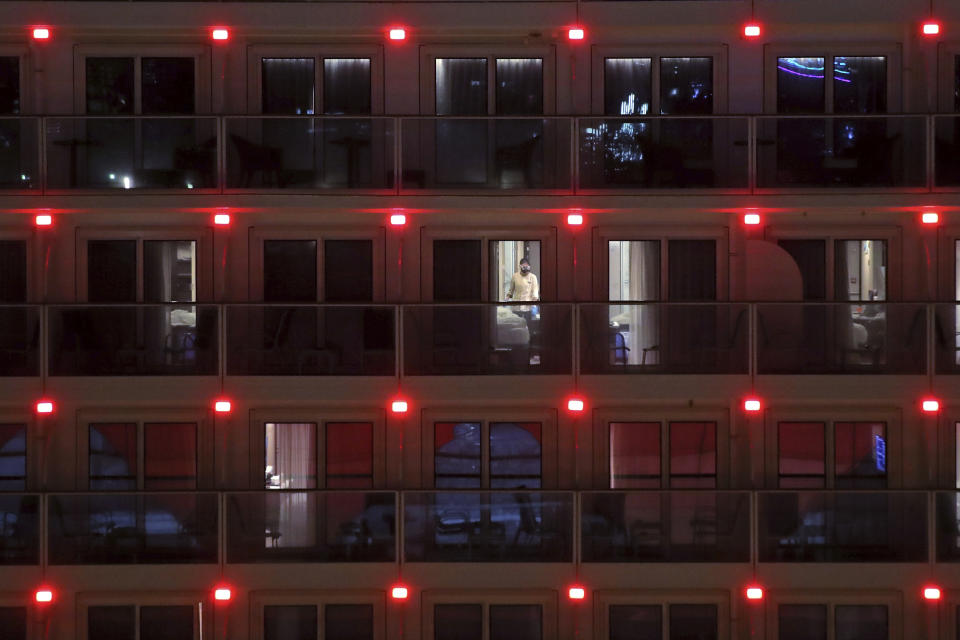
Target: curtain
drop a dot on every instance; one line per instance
(626, 86)
(519, 86)
(346, 86)
(287, 86)
(296, 467)
(634, 275)
(860, 84)
(461, 86)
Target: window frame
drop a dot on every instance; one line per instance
(665, 416)
(829, 50)
(601, 264)
(201, 71)
(320, 417)
(319, 598)
(29, 238)
(203, 237)
(205, 440)
(606, 598)
(893, 235)
(32, 468)
(948, 455)
(829, 416)
(546, 598)
(428, 73)
(138, 599)
(948, 235)
(893, 600)
(21, 52)
(256, 52)
(947, 53)
(948, 617)
(376, 234)
(549, 435)
(23, 599)
(599, 53)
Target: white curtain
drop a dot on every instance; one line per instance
(296, 467)
(634, 275)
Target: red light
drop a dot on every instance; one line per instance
(931, 593)
(754, 593)
(575, 405)
(576, 593)
(931, 405)
(398, 33)
(220, 33)
(752, 405)
(221, 219)
(574, 219)
(399, 593)
(43, 220)
(41, 33)
(398, 219)
(222, 406)
(930, 217)
(222, 594)
(931, 28)
(575, 33)
(44, 406)
(399, 406)
(751, 219)
(44, 595)
(751, 30)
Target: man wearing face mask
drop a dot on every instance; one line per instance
(524, 286)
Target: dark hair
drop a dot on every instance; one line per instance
(522, 260)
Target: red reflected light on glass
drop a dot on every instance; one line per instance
(397, 33)
(752, 405)
(576, 33)
(751, 219)
(43, 220)
(754, 593)
(43, 595)
(751, 30)
(220, 33)
(931, 593)
(221, 219)
(399, 592)
(931, 28)
(398, 219)
(45, 406)
(222, 594)
(575, 405)
(41, 33)
(930, 405)
(576, 593)
(574, 219)
(930, 217)
(222, 406)
(399, 406)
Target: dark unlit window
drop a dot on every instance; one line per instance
(693, 455)
(861, 455)
(287, 86)
(290, 270)
(692, 270)
(802, 622)
(348, 622)
(693, 622)
(801, 455)
(169, 456)
(167, 85)
(290, 622)
(13, 271)
(516, 621)
(110, 86)
(9, 84)
(112, 452)
(458, 622)
(13, 458)
(861, 622)
(457, 270)
(519, 86)
(636, 622)
(348, 270)
(686, 86)
(112, 270)
(346, 86)
(349, 455)
(635, 455)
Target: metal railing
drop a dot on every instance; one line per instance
(505, 525)
(483, 339)
(431, 154)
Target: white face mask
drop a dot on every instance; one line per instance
(524, 269)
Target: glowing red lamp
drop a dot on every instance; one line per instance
(221, 219)
(752, 405)
(43, 220)
(398, 219)
(41, 33)
(754, 593)
(220, 33)
(931, 28)
(751, 219)
(222, 594)
(399, 592)
(44, 406)
(576, 33)
(575, 405)
(930, 405)
(576, 593)
(751, 30)
(222, 406)
(397, 33)
(575, 219)
(930, 217)
(399, 406)
(931, 593)
(43, 595)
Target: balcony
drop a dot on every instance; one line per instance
(379, 155)
(19, 340)
(19, 529)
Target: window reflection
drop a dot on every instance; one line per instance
(13, 457)
(686, 86)
(461, 86)
(113, 457)
(627, 86)
(860, 84)
(110, 86)
(519, 86)
(634, 455)
(801, 85)
(457, 457)
(287, 86)
(861, 622)
(860, 455)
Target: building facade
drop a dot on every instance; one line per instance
(480, 320)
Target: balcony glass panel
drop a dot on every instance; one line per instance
(946, 149)
(19, 340)
(172, 528)
(841, 338)
(19, 154)
(665, 526)
(153, 340)
(131, 153)
(841, 152)
(664, 338)
(311, 526)
(310, 154)
(663, 153)
(842, 526)
(947, 505)
(486, 153)
(501, 526)
(504, 339)
(19, 529)
(311, 340)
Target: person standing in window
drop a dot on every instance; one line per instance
(524, 286)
